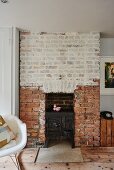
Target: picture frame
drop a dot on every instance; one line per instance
(107, 75)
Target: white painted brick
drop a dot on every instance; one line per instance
(44, 57)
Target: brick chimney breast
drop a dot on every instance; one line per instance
(60, 63)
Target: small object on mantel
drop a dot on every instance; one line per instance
(56, 108)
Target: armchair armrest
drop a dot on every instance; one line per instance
(19, 129)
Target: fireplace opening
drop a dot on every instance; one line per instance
(59, 115)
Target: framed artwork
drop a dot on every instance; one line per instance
(107, 76)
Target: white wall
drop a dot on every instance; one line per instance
(59, 15)
(5, 70)
(9, 71)
(15, 72)
(107, 49)
(107, 46)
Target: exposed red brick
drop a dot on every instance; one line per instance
(30, 110)
(86, 108)
(87, 116)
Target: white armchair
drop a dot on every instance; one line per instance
(19, 129)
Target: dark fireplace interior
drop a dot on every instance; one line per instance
(59, 117)
(63, 100)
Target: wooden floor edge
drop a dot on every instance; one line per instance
(19, 157)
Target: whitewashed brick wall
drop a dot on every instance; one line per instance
(57, 62)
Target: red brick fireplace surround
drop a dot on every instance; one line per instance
(32, 112)
(60, 63)
(86, 109)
